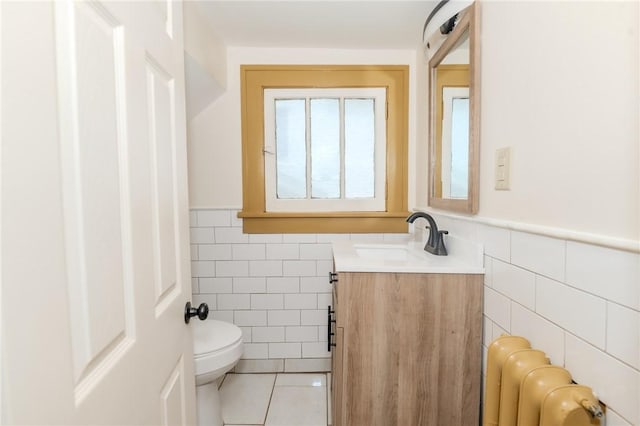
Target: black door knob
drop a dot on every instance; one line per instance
(202, 312)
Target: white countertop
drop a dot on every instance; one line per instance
(464, 257)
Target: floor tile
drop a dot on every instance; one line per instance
(298, 406)
(295, 379)
(245, 398)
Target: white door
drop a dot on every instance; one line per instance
(95, 251)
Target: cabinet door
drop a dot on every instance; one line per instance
(369, 305)
(441, 326)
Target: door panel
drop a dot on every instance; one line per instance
(95, 191)
(94, 195)
(172, 396)
(160, 106)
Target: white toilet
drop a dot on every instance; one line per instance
(217, 347)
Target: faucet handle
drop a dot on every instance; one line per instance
(441, 250)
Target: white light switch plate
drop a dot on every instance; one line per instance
(503, 166)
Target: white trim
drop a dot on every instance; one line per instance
(198, 208)
(632, 246)
(377, 203)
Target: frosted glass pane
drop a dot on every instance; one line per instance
(291, 149)
(460, 148)
(325, 148)
(359, 139)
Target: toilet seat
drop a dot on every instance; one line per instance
(217, 346)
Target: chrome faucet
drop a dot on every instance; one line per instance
(435, 243)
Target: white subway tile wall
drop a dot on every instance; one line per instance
(623, 334)
(514, 282)
(274, 286)
(616, 279)
(543, 255)
(580, 303)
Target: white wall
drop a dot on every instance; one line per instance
(205, 61)
(560, 86)
(201, 43)
(215, 165)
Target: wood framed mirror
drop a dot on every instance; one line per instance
(454, 117)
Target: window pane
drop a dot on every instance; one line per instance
(291, 149)
(460, 148)
(325, 148)
(359, 140)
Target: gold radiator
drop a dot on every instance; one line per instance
(523, 389)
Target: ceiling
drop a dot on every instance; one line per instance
(351, 24)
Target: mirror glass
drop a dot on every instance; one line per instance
(454, 120)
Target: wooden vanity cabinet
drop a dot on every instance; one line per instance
(407, 349)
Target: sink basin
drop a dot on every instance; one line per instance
(407, 256)
(388, 252)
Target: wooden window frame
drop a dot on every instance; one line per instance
(255, 78)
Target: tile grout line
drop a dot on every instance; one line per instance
(324, 396)
(266, 414)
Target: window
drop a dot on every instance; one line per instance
(324, 148)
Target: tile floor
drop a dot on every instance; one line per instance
(282, 399)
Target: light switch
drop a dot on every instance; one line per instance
(502, 172)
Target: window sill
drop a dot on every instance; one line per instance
(324, 223)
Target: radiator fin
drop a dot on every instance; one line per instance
(522, 389)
